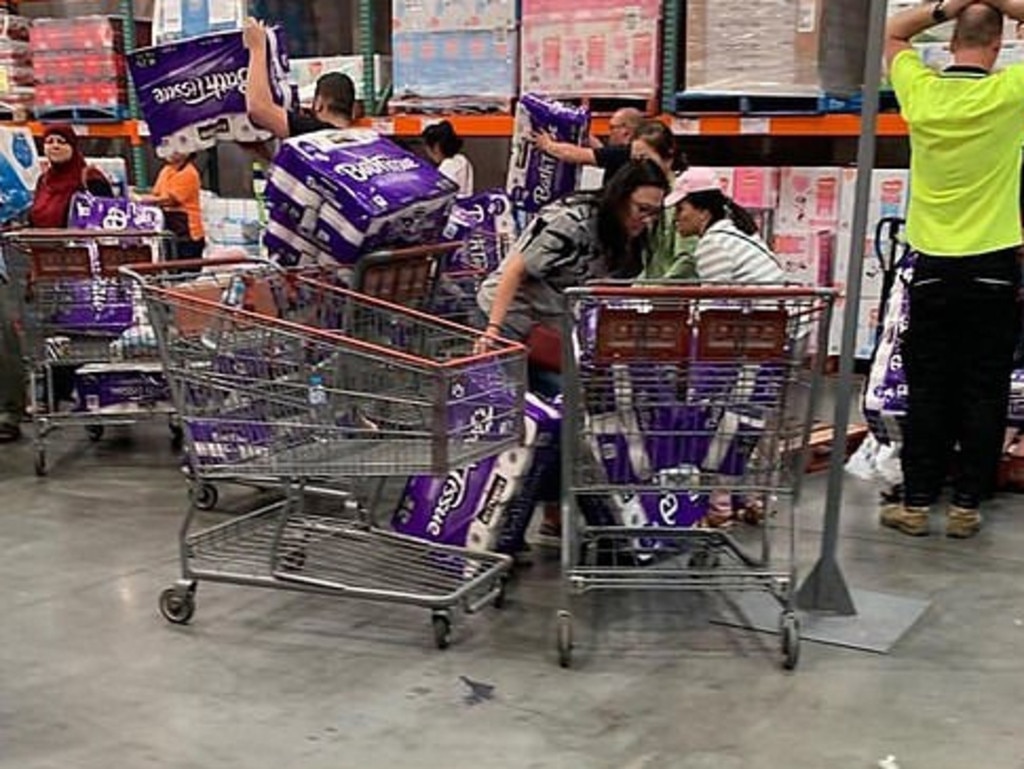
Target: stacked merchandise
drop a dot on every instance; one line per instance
(305, 72)
(19, 173)
(80, 66)
(460, 57)
(231, 222)
(335, 195)
(742, 47)
(890, 193)
(192, 92)
(592, 48)
(535, 178)
(16, 79)
(178, 19)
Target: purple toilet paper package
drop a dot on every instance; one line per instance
(192, 92)
(237, 435)
(119, 214)
(885, 394)
(536, 179)
(96, 306)
(120, 388)
(482, 405)
(352, 192)
(470, 507)
(484, 223)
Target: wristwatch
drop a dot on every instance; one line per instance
(939, 12)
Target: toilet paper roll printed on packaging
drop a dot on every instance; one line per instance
(192, 92)
(355, 192)
(535, 178)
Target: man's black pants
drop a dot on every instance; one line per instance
(958, 354)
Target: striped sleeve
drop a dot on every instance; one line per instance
(716, 260)
(554, 242)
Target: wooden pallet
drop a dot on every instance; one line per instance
(450, 106)
(823, 440)
(698, 103)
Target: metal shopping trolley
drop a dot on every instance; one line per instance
(314, 384)
(86, 363)
(677, 395)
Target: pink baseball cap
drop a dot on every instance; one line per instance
(693, 180)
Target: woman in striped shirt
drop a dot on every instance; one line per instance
(729, 250)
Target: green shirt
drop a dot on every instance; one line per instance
(966, 131)
(671, 255)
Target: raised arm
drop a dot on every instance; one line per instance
(259, 99)
(908, 24)
(1012, 8)
(567, 153)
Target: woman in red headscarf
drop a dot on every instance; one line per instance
(68, 174)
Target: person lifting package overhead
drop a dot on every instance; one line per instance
(333, 102)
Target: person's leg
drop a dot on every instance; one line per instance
(548, 385)
(989, 318)
(12, 371)
(930, 361)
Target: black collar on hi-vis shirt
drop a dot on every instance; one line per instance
(964, 70)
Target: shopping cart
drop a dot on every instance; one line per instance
(86, 363)
(676, 395)
(297, 380)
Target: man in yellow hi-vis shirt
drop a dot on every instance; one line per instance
(966, 131)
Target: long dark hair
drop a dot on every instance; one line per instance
(660, 138)
(721, 206)
(625, 255)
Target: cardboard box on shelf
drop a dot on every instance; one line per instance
(725, 175)
(436, 15)
(756, 188)
(765, 47)
(808, 197)
(591, 52)
(465, 63)
(178, 19)
(806, 256)
(303, 73)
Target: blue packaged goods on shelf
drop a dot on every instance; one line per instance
(19, 173)
(478, 65)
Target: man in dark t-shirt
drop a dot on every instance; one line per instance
(612, 156)
(333, 101)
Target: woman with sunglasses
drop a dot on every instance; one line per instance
(68, 174)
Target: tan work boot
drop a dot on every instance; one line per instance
(912, 521)
(962, 523)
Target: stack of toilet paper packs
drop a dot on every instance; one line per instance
(337, 194)
(192, 92)
(535, 178)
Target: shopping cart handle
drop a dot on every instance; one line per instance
(140, 270)
(704, 291)
(449, 247)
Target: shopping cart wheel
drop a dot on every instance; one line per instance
(41, 468)
(204, 496)
(502, 597)
(790, 635)
(564, 639)
(177, 606)
(95, 432)
(442, 629)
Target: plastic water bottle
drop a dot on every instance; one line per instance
(318, 402)
(233, 296)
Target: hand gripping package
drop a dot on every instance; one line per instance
(488, 505)
(341, 193)
(536, 179)
(192, 92)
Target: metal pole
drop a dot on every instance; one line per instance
(670, 55)
(366, 45)
(825, 589)
(140, 169)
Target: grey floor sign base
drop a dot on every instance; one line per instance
(880, 622)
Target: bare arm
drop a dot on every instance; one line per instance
(259, 100)
(905, 26)
(567, 153)
(1012, 8)
(511, 279)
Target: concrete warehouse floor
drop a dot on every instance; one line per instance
(91, 677)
